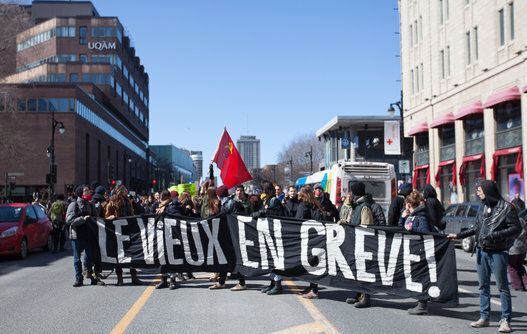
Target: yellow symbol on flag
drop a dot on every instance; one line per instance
(231, 146)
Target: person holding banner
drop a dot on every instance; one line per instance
(121, 206)
(494, 229)
(415, 218)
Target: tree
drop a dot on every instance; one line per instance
(297, 151)
(13, 20)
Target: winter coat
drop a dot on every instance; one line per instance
(397, 205)
(291, 205)
(497, 225)
(361, 214)
(303, 211)
(418, 219)
(345, 213)
(519, 247)
(75, 214)
(376, 210)
(239, 206)
(329, 208)
(434, 207)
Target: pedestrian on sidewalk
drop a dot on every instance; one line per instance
(494, 228)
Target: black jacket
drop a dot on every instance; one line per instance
(434, 207)
(329, 208)
(174, 208)
(497, 225)
(419, 220)
(376, 210)
(303, 211)
(397, 205)
(291, 206)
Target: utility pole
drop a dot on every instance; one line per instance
(310, 154)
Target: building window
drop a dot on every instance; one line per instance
(472, 177)
(64, 105)
(502, 26)
(441, 18)
(422, 151)
(448, 142)
(416, 32)
(42, 104)
(442, 63)
(21, 103)
(417, 79)
(467, 47)
(413, 84)
(83, 58)
(420, 28)
(511, 18)
(447, 9)
(422, 77)
(446, 184)
(32, 104)
(474, 132)
(83, 36)
(508, 124)
(74, 77)
(476, 46)
(53, 104)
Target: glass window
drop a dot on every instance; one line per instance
(467, 48)
(83, 58)
(74, 77)
(472, 211)
(83, 36)
(442, 62)
(441, 18)
(32, 105)
(42, 104)
(451, 211)
(53, 104)
(125, 73)
(474, 132)
(460, 212)
(63, 105)
(502, 26)
(31, 213)
(21, 104)
(448, 60)
(508, 124)
(72, 105)
(476, 47)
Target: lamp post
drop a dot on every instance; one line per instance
(129, 172)
(51, 154)
(310, 155)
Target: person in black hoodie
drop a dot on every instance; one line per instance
(291, 202)
(434, 207)
(397, 205)
(494, 229)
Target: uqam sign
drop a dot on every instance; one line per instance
(104, 45)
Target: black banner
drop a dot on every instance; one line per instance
(371, 260)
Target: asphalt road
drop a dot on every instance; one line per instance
(36, 296)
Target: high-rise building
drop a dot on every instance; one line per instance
(197, 157)
(249, 148)
(79, 70)
(180, 161)
(464, 77)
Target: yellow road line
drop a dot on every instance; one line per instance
(314, 312)
(312, 327)
(134, 310)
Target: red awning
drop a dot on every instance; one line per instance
(468, 159)
(443, 120)
(420, 128)
(510, 94)
(416, 173)
(472, 109)
(496, 157)
(440, 171)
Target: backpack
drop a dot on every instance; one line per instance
(56, 212)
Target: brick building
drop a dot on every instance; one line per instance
(78, 67)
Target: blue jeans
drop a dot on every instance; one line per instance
(78, 246)
(275, 277)
(493, 262)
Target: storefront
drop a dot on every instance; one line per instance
(507, 160)
(445, 176)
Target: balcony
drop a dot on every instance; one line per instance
(474, 146)
(422, 156)
(509, 138)
(447, 152)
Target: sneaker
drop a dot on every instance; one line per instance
(419, 309)
(505, 327)
(77, 283)
(217, 286)
(311, 295)
(238, 287)
(480, 323)
(363, 302)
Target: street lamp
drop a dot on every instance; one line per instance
(310, 155)
(51, 154)
(130, 171)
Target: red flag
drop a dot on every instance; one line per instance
(229, 161)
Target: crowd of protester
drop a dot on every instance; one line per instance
(497, 228)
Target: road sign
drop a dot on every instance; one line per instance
(404, 166)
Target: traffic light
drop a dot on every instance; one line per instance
(114, 183)
(154, 182)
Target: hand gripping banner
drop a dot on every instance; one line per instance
(367, 259)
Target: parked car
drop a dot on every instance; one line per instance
(24, 227)
(462, 216)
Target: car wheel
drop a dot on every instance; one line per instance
(468, 244)
(23, 249)
(49, 245)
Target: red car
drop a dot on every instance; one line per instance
(24, 227)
